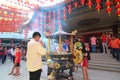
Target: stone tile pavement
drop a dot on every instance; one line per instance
(94, 74)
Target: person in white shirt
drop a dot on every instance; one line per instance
(35, 51)
(12, 54)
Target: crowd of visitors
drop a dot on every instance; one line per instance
(9, 52)
(15, 54)
(106, 43)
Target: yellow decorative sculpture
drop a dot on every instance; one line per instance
(77, 54)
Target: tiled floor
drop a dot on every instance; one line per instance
(94, 74)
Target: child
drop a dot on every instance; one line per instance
(16, 62)
(84, 65)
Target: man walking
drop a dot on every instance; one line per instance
(115, 45)
(35, 51)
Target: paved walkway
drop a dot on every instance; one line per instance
(94, 74)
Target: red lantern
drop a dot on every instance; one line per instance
(69, 8)
(118, 8)
(118, 5)
(89, 4)
(118, 12)
(98, 7)
(82, 2)
(76, 4)
(109, 9)
(117, 0)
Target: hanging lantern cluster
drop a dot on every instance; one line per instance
(98, 6)
(54, 23)
(108, 5)
(16, 5)
(59, 17)
(10, 22)
(64, 13)
(9, 26)
(118, 7)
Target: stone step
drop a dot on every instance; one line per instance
(99, 54)
(102, 56)
(107, 56)
(104, 69)
(105, 65)
(104, 62)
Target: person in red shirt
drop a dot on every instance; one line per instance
(104, 43)
(16, 62)
(109, 40)
(115, 46)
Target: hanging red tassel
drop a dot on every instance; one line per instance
(109, 9)
(54, 19)
(98, 7)
(118, 12)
